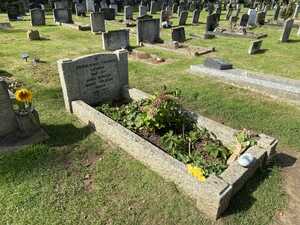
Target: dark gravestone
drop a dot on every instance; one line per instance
(164, 16)
(142, 10)
(128, 13)
(7, 115)
(13, 11)
(37, 17)
(174, 8)
(218, 64)
(80, 9)
(64, 4)
(178, 34)
(183, 18)
(196, 15)
(116, 39)
(211, 22)
(244, 20)
(97, 22)
(63, 15)
(148, 30)
(255, 46)
(276, 12)
(109, 14)
(287, 28)
(228, 13)
(260, 18)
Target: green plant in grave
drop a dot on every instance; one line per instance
(245, 138)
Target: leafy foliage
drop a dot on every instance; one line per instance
(161, 120)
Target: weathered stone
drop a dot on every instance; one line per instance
(178, 34)
(37, 17)
(252, 17)
(90, 6)
(116, 39)
(97, 22)
(183, 18)
(128, 13)
(80, 9)
(33, 35)
(61, 4)
(148, 30)
(142, 10)
(287, 28)
(94, 78)
(255, 46)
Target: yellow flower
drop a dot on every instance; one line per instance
(24, 95)
(196, 172)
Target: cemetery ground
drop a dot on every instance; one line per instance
(77, 178)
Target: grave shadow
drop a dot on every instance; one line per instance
(4, 73)
(66, 134)
(261, 51)
(243, 199)
(293, 41)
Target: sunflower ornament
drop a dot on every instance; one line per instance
(24, 99)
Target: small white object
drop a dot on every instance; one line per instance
(246, 160)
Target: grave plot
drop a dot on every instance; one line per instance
(148, 58)
(277, 87)
(177, 153)
(63, 17)
(20, 124)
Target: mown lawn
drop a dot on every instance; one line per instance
(77, 178)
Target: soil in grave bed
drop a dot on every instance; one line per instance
(162, 121)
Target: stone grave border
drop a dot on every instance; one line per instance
(151, 60)
(211, 197)
(235, 34)
(276, 87)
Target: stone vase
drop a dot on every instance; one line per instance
(28, 122)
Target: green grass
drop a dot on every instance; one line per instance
(45, 183)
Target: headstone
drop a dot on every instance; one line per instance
(179, 10)
(183, 18)
(61, 4)
(211, 22)
(115, 7)
(228, 13)
(196, 15)
(255, 46)
(37, 17)
(90, 5)
(97, 22)
(7, 115)
(95, 78)
(217, 64)
(276, 13)
(62, 15)
(142, 10)
(103, 4)
(153, 7)
(178, 34)
(287, 28)
(109, 14)
(116, 39)
(80, 9)
(148, 30)
(252, 17)
(260, 18)
(13, 11)
(174, 8)
(244, 20)
(128, 13)
(164, 16)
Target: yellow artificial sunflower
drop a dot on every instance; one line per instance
(196, 172)
(24, 95)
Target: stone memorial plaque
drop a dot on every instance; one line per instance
(287, 28)
(178, 34)
(97, 22)
(94, 78)
(255, 46)
(183, 18)
(217, 64)
(7, 115)
(116, 39)
(148, 30)
(37, 17)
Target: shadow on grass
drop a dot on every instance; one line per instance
(243, 200)
(66, 134)
(4, 73)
